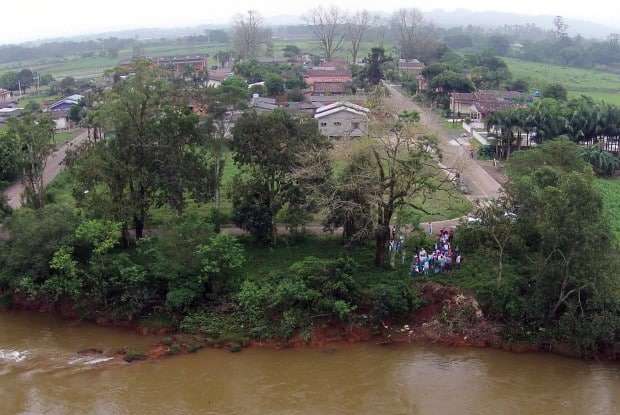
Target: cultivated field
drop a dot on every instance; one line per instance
(599, 85)
(94, 66)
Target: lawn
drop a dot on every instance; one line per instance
(610, 189)
(599, 85)
(63, 137)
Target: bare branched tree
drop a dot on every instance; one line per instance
(407, 24)
(356, 27)
(249, 34)
(328, 26)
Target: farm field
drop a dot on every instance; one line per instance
(597, 84)
(94, 66)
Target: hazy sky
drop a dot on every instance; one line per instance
(34, 19)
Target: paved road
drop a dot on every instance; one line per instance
(455, 153)
(52, 169)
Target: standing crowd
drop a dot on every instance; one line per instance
(444, 257)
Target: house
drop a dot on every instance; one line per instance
(329, 74)
(65, 104)
(328, 88)
(9, 112)
(262, 104)
(342, 119)
(59, 111)
(217, 76)
(197, 63)
(5, 96)
(480, 104)
(411, 67)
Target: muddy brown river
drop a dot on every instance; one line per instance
(41, 373)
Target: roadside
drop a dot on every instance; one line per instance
(455, 156)
(52, 169)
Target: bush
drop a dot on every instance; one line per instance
(392, 300)
(290, 302)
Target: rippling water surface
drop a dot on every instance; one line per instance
(41, 373)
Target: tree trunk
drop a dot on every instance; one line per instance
(381, 239)
(139, 227)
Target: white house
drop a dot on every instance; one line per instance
(342, 119)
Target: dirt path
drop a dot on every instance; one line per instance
(52, 169)
(455, 153)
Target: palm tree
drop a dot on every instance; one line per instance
(603, 162)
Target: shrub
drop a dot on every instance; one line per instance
(289, 302)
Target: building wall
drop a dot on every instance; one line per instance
(340, 124)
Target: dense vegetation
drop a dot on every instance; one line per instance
(104, 253)
(582, 120)
(544, 256)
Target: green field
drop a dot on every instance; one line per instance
(95, 66)
(597, 84)
(610, 188)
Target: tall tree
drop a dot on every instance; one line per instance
(407, 24)
(328, 27)
(357, 25)
(153, 154)
(248, 34)
(271, 149)
(396, 170)
(35, 143)
(374, 65)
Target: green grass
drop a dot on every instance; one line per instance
(597, 84)
(610, 189)
(63, 137)
(264, 260)
(61, 190)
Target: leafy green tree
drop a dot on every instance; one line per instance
(270, 148)
(374, 65)
(555, 91)
(154, 154)
(274, 85)
(291, 51)
(222, 256)
(34, 137)
(35, 236)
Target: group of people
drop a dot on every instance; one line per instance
(442, 258)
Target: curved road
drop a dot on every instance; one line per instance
(455, 156)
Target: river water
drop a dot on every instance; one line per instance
(41, 373)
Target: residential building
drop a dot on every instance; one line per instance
(263, 104)
(217, 76)
(328, 74)
(197, 63)
(59, 111)
(478, 105)
(5, 96)
(342, 119)
(411, 67)
(328, 88)
(9, 112)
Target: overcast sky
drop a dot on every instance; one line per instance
(36, 19)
